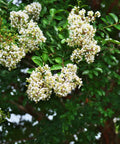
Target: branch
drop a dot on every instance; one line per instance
(29, 109)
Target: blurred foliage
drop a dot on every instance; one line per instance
(3, 116)
(84, 112)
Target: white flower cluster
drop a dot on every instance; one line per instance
(66, 81)
(82, 35)
(34, 10)
(18, 19)
(31, 37)
(41, 82)
(10, 55)
(40, 87)
(30, 33)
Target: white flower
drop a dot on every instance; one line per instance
(90, 13)
(33, 10)
(97, 13)
(31, 37)
(41, 82)
(40, 86)
(81, 35)
(10, 55)
(66, 81)
(18, 19)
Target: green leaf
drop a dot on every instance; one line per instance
(52, 49)
(10, 2)
(114, 59)
(117, 26)
(58, 60)
(67, 62)
(44, 10)
(84, 6)
(45, 22)
(45, 57)
(99, 69)
(114, 17)
(30, 70)
(100, 26)
(63, 23)
(37, 53)
(95, 73)
(58, 17)
(110, 19)
(50, 60)
(112, 40)
(36, 57)
(61, 36)
(60, 10)
(86, 72)
(104, 20)
(56, 67)
(59, 28)
(90, 76)
(102, 34)
(63, 41)
(52, 12)
(37, 60)
(108, 29)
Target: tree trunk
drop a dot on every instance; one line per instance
(108, 133)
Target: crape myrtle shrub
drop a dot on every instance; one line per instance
(81, 114)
